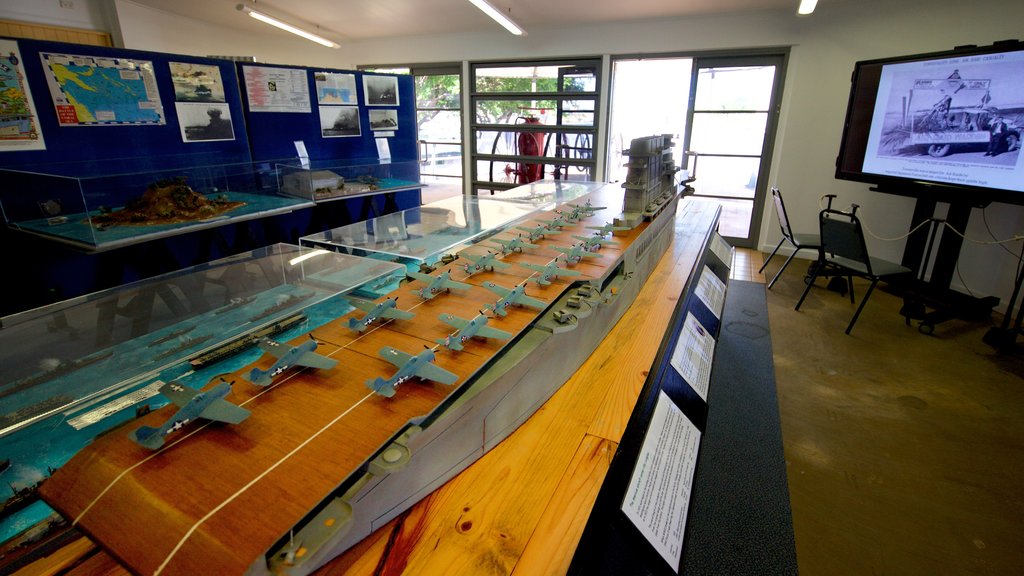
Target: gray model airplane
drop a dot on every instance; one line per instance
(479, 263)
(607, 228)
(467, 329)
(548, 272)
(516, 295)
(539, 231)
(302, 355)
(576, 253)
(559, 221)
(514, 245)
(409, 366)
(385, 309)
(595, 242)
(193, 404)
(587, 209)
(437, 284)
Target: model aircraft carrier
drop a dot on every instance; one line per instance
(322, 460)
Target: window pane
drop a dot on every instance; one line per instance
(439, 126)
(732, 177)
(515, 111)
(728, 133)
(535, 79)
(441, 159)
(741, 88)
(507, 172)
(438, 92)
(572, 145)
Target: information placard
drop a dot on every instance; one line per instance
(711, 291)
(721, 249)
(276, 89)
(658, 497)
(693, 355)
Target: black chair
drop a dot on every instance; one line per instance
(799, 241)
(845, 253)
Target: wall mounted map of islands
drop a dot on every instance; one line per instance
(19, 124)
(96, 91)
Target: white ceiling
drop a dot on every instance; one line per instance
(372, 19)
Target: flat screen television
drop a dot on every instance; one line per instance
(944, 125)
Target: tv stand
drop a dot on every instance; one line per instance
(935, 292)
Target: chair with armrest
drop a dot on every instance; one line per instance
(845, 253)
(799, 241)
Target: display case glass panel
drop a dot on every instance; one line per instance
(326, 180)
(74, 369)
(70, 204)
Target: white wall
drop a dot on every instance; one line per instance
(824, 48)
(86, 14)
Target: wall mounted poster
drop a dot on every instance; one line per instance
(95, 91)
(339, 121)
(276, 89)
(335, 88)
(383, 119)
(196, 82)
(204, 121)
(380, 90)
(19, 123)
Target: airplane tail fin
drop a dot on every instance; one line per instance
(381, 386)
(450, 343)
(356, 325)
(495, 309)
(259, 377)
(148, 437)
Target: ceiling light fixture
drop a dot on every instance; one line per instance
(287, 27)
(496, 15)
(806, 7)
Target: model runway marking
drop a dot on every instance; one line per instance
(270, 469)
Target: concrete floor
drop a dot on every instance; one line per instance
(905, 452)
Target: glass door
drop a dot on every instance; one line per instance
(733, 115)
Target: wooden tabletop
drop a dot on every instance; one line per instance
(522, 506)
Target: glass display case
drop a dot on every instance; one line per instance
(70, 204)
(327, 180)
(75, 369)
(547, 194)
(424, 234)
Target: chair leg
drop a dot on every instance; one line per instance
(849, 284)
(810, 282)
(770, 256)
(867, 295)
(784, 264)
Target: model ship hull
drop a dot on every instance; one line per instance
(321, 463)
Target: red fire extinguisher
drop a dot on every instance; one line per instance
(530, 144)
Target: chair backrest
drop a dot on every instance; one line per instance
(843, 236)
(780, 208)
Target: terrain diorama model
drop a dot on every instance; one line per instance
(349, 425)
(168, 201)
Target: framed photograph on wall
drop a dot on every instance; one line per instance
(384, 120)
(380, 90)
(339, 121)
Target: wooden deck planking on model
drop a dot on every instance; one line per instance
(293, 463)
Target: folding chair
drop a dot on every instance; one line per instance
(845, 253)
(799, 241)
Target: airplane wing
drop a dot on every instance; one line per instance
(500, 291)
(488, 332)
(396, 357)
(533, 267)
(363, 305)
(563, 249)
(564, 272)
(224, 411)
(271, 347)
(314, 360)
(457, 285)
(530, 301)
(178, 393)
(429, 371)
(421, 277)
(455, 321)
(396, 313)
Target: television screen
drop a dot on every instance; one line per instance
(945, 124)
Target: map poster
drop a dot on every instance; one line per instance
(95, 91)
(334, 88)
(19, 123)
(196, 82)
(276, 89)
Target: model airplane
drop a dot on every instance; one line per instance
(516, 295)
(409, 366)
(467, 329)
(437, 284)
(539, 231)
(302, 355)
(193, 404)
(592, 243)
(607, 228)
(559, 221)
(385, 309)
(478, 263)
(576, 253)
(587, 209)
(514, 245)
(548, 272)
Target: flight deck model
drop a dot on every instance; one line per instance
(337, 459)
(193, 405)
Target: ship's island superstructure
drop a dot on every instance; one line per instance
(322, 461)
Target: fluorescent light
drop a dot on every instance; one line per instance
(287, 27)
(806, 7)
(498, 17)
